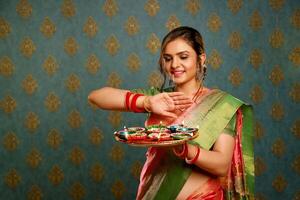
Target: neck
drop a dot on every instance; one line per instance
(189, 89)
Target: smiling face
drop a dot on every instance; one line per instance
(180, 62)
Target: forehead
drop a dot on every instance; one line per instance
(178, 45)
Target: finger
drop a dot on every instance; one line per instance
(180, 107)
(169, 114)
(183, 102)
(174, 94)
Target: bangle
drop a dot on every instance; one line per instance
(183, 153)
(127, 98)
(192, 161)
(146, 101)
(134, 108)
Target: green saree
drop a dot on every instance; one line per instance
(164, 175)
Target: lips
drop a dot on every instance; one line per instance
(177, 73)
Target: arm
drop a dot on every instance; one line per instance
(217, 160)
(108, 98)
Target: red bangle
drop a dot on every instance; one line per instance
(183, 153)
(128, 94)
(133, 103)
(194, 159)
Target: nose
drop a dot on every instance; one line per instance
(175, 63)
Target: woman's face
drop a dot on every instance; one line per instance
(180, 61)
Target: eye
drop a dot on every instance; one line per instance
(183, 57)
(167, 58)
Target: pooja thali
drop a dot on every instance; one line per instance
(156, 135)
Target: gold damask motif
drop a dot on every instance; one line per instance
(295, 92)
(234, 5)
(215, 60)
(56, 175)
(279, 183)
(24, 9)
(32, 121)
(133, 62)
(90, 27)
(297, 195)
(153, 43)
(276, 4)
(276, 75)
(72, 83)
(77, 191)
(7, 67)
(92, 64)
(50, 65)
(257, 94)
(259, 196)
(110, 8)
(27, 47)
(12, 179)
(29, 84)
(155, 79)
(74, 119)
(115, 118)
(235, 40)
(277, 111)
(47, 28)
(35, 193)
(256, 21)
(76, 156)
(68, 9)
(112, 45)
(256, 58)
(136, 169)
(10, 141)
(152, 7)
(279, 147)
(259, 130)
(117, 153)
(294, 56)
(296, 164)
(214, 22)
(132, 26)
(54, 138)
(260, 166)
(71, 47)
(172, 23)
(235, 77)
(295, 19)
(118, 189)
(8, 104)
(5, 28)
(34, 158)
(96, 136)
(97, 172)
(114, 80)
(276, 39)
(296, 128)
(52, 102)
(192, 6)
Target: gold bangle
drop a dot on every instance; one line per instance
(146, 103)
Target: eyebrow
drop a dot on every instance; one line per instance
(181, 52)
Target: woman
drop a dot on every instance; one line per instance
(212, 166)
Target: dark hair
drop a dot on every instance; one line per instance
(190, 35)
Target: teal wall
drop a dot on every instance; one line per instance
(55, 145)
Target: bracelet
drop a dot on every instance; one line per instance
(192, 161)
(127, 98)
(146, 101)
(133, 103)
(183, 153)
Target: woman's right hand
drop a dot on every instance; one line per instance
(167, 103)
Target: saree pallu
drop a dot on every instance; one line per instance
(163, 174)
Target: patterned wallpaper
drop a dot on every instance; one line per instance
(55, 145)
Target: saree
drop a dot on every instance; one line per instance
(163, 174)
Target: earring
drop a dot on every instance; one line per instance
(204, 70)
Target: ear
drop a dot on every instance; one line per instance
(202, 58)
